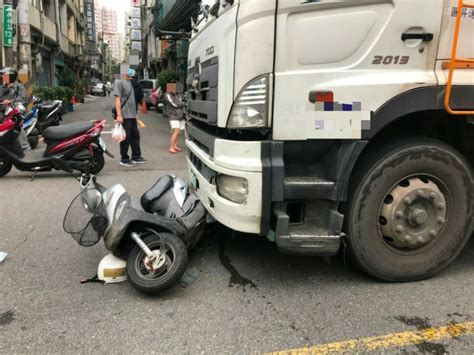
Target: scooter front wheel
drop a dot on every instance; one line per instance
(166, 270)
(5, 165)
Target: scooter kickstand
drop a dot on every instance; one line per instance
(33, 176)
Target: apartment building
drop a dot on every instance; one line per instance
(57, 38)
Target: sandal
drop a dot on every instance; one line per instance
(178, 149)
(172, 151)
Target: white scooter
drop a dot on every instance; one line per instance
(153, 235)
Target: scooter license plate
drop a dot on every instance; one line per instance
(102, 144)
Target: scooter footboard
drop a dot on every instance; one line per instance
(197, 214)
(195, 223)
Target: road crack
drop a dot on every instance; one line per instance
(25, 239)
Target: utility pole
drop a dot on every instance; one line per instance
(24, 47)
(24, 39)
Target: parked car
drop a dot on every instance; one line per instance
(97, 88)
(148, 85)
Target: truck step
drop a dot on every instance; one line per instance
(308, 187)
(309, 240)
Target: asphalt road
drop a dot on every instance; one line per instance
(247, 297)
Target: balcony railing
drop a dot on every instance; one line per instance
(64, 44)
(42, 23)
(77, 14)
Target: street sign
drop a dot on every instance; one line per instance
(136, 45)
(90, 18)
(8, 35)
(135, 12)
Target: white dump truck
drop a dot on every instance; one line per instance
(327, 125)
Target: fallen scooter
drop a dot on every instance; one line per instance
(153, 235)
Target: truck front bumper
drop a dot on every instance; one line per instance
(209, 157)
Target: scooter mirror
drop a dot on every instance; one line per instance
(22, 108)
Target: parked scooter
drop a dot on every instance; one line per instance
(76, 143)
(49, 113)
(152, 234)
(29, 126)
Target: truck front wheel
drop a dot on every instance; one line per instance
(410, 209)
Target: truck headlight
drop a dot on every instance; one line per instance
(250, 109)
(232, 188)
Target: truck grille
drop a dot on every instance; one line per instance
(202, 105)
(205, 171)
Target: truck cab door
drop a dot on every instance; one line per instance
(337, 62)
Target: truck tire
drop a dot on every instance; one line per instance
(410, 209)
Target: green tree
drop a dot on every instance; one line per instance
(67, 77)
(167, 76)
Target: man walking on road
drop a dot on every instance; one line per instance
(127, 116)
(108, 87)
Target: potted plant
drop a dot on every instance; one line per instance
(67, 98)
(79, 98)
(80, 89)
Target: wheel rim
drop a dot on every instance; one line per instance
(413, 214)
(166, 258)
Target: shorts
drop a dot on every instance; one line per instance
(178, 124)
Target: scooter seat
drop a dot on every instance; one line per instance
(49, 107)
(66, 131)
(163, 184)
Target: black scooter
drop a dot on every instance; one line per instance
(49, 113)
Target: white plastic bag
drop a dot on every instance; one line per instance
(118, 133)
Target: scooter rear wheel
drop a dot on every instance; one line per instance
(5, 165)
(169, 271)
(99, 161)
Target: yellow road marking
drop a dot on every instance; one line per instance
(388, 341)
(141, 124)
